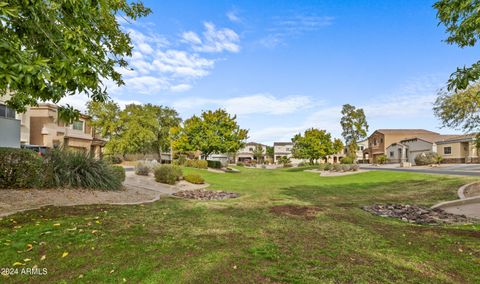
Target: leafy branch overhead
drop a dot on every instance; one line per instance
(53, 49)
(458, 105)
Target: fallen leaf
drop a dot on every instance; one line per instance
(29, 247)
(43, 257)
(94, 231)
(27, 260)
(113, 270)
(56, 224)
(64, 254)
(18, 263)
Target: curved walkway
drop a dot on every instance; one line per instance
(138, 190)
(468, 204)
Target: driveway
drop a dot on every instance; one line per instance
(450, 169)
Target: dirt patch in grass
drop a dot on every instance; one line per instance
(307, 212)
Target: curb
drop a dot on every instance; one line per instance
(462, 201)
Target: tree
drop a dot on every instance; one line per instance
(458, 104)
(313, 145)
(285, 161)
(212, 132)
(462, 20)
(270, 153)
(354, 126)
(135, 129)
(337, 146)
(258, 153)
(166, 119)
(53, 49)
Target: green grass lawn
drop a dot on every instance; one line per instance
(242, 241)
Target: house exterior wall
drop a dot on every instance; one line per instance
(458, 153)
(417, 147)
(246, 153)
(284, 150)
(9, 132)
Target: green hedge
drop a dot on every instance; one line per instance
(214, 164)
(194, 178)
(199, 164)
(168, 174)
(20, 168)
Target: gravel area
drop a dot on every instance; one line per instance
(416, 214)
(202, 194)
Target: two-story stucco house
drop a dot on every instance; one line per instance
(382, 138)
(284, 149)
(247, 152)
(47, 130)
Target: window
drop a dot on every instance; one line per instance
(381, 140)
(375, 142)
(361, 148)
(6, 111)
(392, 154)
(288, 149)
(77, 125)
(447, 150)
(250, 149)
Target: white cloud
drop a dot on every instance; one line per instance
(233, 16)
(180, 88)
(254, 104)
(213, 40)
(285, 27)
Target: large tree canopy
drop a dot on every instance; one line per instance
(354, 126)
(462, 20)
(135, 129)
(212, 132)
(458, 105)
(313, 145)
(57, 48)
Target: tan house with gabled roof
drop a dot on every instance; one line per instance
(459, 149)
(382, 138)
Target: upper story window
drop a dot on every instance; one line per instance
(288, 149)
(6, 112)
(250, 149)
(77, 125)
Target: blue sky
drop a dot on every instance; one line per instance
(284, 66)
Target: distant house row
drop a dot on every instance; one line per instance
(39, 128)
(404, 145)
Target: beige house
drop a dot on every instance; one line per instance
(40, 126)
(459, 149)
(246, 153)
(382, 138)
(408, 149)
(284, 149)
(47, 130)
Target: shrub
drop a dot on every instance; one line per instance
(382, 159)
(167, 174)
(354, 167)
(20, 168)
(76, 169)
(337, 168)
(182, 159)
(214, 164)
(301, 164)
(142, 169)
(194, 178)
(347, 160)
(119, 172)
(112, 159)
(427, 158)
(199, 164)
(346, 168)
(327, 167)
(240, 164)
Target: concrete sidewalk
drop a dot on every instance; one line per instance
(469, 210)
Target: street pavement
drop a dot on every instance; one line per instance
(456, 169)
